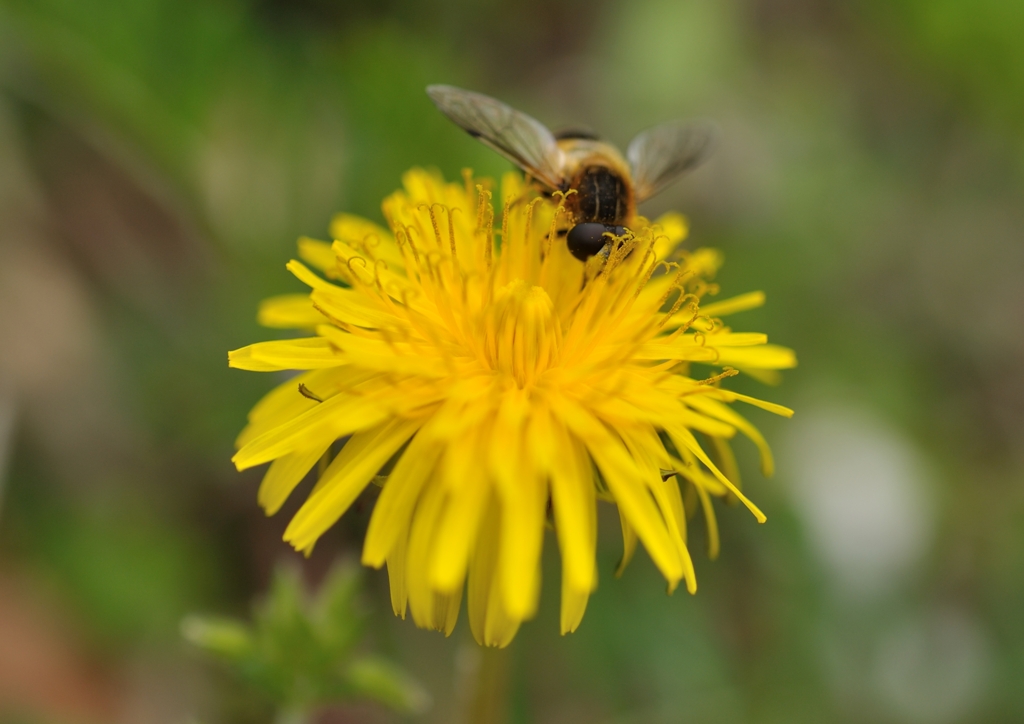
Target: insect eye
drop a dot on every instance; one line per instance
(586, 240)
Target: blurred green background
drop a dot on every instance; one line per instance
(158, 159)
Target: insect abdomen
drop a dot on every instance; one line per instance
(602, 196)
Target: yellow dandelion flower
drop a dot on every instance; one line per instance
(504, 385)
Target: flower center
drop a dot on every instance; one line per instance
(523, 334)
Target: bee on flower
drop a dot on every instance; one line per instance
(505, 385)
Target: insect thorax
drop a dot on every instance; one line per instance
(601, 195)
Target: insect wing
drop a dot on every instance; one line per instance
(521, 139)
(660, 155)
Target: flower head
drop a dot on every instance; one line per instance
(502, 384)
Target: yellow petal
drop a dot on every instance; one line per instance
(309, 353)
(375, 240)
(351, 471)
(357, 269)
(629, 541)
(642, 445)
(710, 520)
(352, 307)
(490, 623)
(670, 229)
(727, 414)
(523, 496)
(289, 311)
(574, 605)
(464, 475)
(397, 573)
(729, 395)
(282, 403)
(620, 473)
(704, 262)
(318, 254)
(683, 438)
(384, 357)
(574, 503)
(724, 307)
(285, 473)
(394, 508)
(430, 608)
(699, 347)
(335, 417)
(766, 357)
(304, 275)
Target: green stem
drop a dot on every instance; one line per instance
(488, 701)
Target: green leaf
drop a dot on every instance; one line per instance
(223, 636)
(380, 680)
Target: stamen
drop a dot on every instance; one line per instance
(489, 247)
(433, 220)
(675, 308)
(419, 228)
(559, 210)
(627, 304)
(351, 269)
(368, 247)
(407, 232)
(482, 199)
(451, 231)
(405, 294)
(677, 283)
(505, 247)
(306, 392)
(650, 271)
(377, 266)
(434, 259)
(529, 220)
(684, 326)
(715, 379)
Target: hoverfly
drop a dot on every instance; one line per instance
(608, 187)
